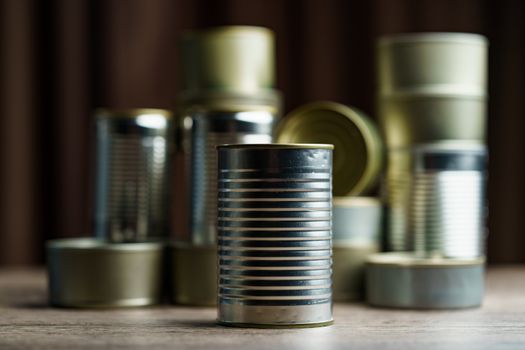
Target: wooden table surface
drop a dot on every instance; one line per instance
(27, 322)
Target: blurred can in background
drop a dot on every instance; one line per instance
(275, 239)
(132, 174)
(227, 97)
(432, 91)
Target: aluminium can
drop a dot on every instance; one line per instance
(358, 153)
(204, 131)
(435, 200)
(357, 219)
(132, 174)
(93, 273)
(402, 280)
(433, 64)
(275, 251)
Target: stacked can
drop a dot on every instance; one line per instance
(227, 98)
(432, 102)
(123, 265)
(357, 165)
(274, 224)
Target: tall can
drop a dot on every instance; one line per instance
(227, 97)
(275, 235)
(132, 174)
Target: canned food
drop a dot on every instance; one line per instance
(411, 120)
(92, 273)
(435, 200)
(447, 202)
(275, 259)
(358, 154)
(205, 131)
(132, 176)
(235, 59)
(401, 280)
(433, 64)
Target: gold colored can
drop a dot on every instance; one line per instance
(412, 120)
(92, 273)
(232, 59)
(358, 154)
(433, 64)
(193, 274)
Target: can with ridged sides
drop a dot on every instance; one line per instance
(274, 243)
(132, 162)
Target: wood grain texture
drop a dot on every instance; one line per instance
(26, 322)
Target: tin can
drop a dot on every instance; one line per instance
(433, 64)
(132, 174)
(227, 97)
(357, 229)
(401, 280)
(447, 210)
(414, 120)
(206, 131)
(436, 200)
(274, 223)
(92, 273)
(358, 153)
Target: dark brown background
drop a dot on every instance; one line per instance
(60, 59)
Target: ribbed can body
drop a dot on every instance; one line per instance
(274, 225)
(207, 130)
(132, 162)
(437, 202)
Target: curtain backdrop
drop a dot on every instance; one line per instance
(60, 59)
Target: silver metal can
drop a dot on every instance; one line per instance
(447, 210)
(274, 225)
(132, 162)
(204, 132)
(436, 200)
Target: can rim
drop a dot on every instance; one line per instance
(235, 30)
(356, 201)
(104, 112)
(463, 38)
(95, 244)
(277, 146)
(409, 260)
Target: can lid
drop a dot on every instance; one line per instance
(132, 112)
(229, 58)
(412, 261)
(358, 147)
(278, 146)
(433, 37)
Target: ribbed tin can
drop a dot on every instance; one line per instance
(204, 132)
(274, 224)
(433, 64)
(132, 174)
(447, 210)
(435, 200)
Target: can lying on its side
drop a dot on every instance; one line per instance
(274, 224)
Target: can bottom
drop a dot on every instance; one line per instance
(282, 316)
(396, 280)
